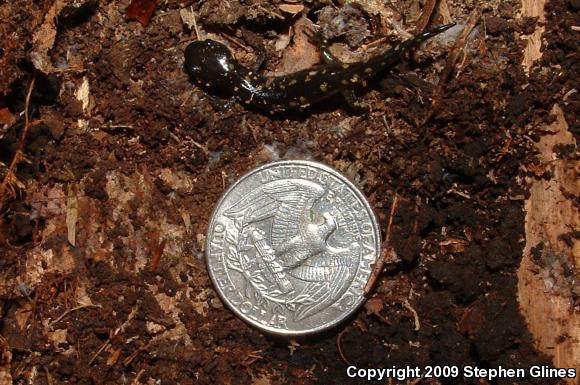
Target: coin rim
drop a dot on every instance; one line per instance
(219, 290)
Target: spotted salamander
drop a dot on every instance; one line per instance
(211, 66)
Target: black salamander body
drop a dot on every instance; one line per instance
(212, 67)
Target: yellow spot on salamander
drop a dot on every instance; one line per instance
(282, 87)
(292, 82)
(324, 87)
(344, 82)
(368, 70)
(345, 65)
(307, 79)
(303, 100)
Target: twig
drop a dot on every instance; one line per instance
(391, 216)
(197, 32)
(452, 59)
(339, 347)
(200, 146)
(156, 257)
(408, 306)
(236, 41)
(127, 361)
(136, 379)
(387, 252)
(275, 14)
(48, 376)
(99, 351)
(374, 43)
(70, 311)
(119, 330)
(428, 10)
(252, 357)
(27, 125)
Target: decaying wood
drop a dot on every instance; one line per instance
(533, 8)
(550, 214)
(550, 315)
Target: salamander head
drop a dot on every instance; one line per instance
(211, 65)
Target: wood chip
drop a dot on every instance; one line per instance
(291, 8)
(6, 117)
(72, 213)
(453, 245)
(113, 357)
(141, 10)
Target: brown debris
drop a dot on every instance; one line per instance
(339, 347)
(291, 8)
(452, 60)
(10, 181)
(427, 14)
(141, 10)
(6, 117)
(113, 357)
(118, 331)
(388, 254)
(5, 362)
(44, 38)
(302, 53)
(156, 256)
(69, 311)
(408, 306)
(72, 213)
(453, 245)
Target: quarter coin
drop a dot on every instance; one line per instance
(290, 247)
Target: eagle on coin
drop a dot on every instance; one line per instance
(296, 244)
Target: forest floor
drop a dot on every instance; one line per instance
(111, 162)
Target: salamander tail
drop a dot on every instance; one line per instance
(418, 39)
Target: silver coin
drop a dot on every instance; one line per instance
(290, 247)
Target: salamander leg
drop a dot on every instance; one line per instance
(323, 45)
(220, 104)
(353, 103)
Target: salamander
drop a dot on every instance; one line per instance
(212, 67)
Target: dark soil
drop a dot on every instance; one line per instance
(149, 155)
